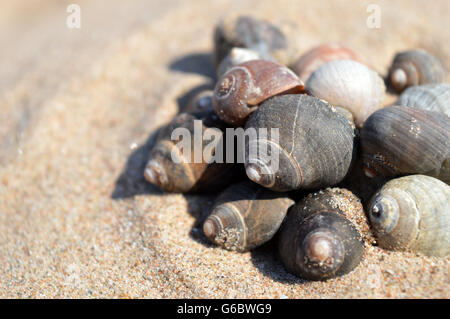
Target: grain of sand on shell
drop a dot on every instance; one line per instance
(78, 112)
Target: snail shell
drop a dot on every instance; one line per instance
(322, 236)
(246, 216)
(314, 147)
(247, 32)
(186, 176)
(433, 97)
(348, 84)
(412, 213)
(400, 140)
(235, 57)
(415, 67)
(239, 91)
(200, 102)
(314, 58)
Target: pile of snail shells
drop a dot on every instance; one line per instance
(334, 133)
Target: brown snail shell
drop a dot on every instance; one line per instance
(251, 33)
(186, 176)
(310, 61)
(415, 67)
(235, 57)
(322, 236)
(245, 216)
(400, 140)
(315, 144)
(348, 84)
(433, 97)
(239, 91)
(412, 213)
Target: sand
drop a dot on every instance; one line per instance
(79, 109)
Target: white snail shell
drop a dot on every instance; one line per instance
(348, 84)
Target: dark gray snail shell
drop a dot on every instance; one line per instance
(186, 176)
(245, 216)
(239, 91)
(315, 145)
(400, 140)
(415, 67)
(412, 213)
(321, 239)
(251, 33)
(433, 97)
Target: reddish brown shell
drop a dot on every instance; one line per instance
(246, 85)
(314, 58)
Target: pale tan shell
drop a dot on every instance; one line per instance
(432, 97)
(348, 84)
(412, 213)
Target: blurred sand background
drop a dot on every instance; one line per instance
(78, 109)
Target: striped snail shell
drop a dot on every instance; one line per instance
(235, 57)
(239, 91)
(245, 216)
(348, 84)
(314, 147)
(433, 97)
(187, 175)
(322, 236)
(306, 64)
(250, 33)
(400, 140)
(412, 213)
(415, 67)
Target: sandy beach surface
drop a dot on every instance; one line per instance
(78, 113)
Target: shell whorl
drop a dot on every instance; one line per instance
(415, 67)
(350, 85)
(412, 213)
(309, 156)
(433, 97)
(401, 140)
(243, 87)
(317, 56)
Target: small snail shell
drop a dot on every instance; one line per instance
(433, 97)
(412, 213)
(314, 58)
(348, 84)
(415, 67)
(235, 57)
(245, 216)
(243, 87)
(200, 102)
(247, 32)
(315, 144)
(322, 236)
(400, 140)
(186, 176)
